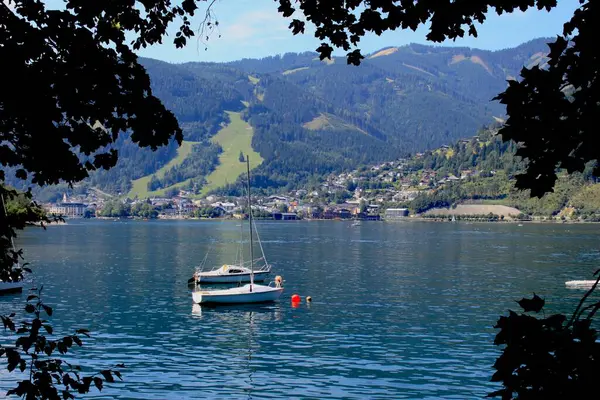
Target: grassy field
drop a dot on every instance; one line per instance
(327, 121)
(475, 209)
(488, 202)
(233, 138)
(140, 186)
(291, 71)
(320, 122)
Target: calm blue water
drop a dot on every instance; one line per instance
(402, 310)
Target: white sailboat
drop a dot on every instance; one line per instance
(229, 273)
(583, 284)
(11, 287)
(249, 293)
(239, 272)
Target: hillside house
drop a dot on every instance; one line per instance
(368, 217)
(279, 199)
(219, 211)
(170, 211)
(159, 201)
(185, 208)
(343, 213)
(227, 206)
(395, 213)
(279, 216)
(466, 174)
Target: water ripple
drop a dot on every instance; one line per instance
(403, 311)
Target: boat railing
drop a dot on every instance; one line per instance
(257, 260)
(263, 268)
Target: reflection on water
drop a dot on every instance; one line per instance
(400, 310)
(241, 311)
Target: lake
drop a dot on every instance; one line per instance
(400, 310)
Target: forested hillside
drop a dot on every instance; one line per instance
(485, 167)
(310, 117)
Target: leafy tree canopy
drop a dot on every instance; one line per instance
(75, 84)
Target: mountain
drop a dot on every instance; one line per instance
(300, 117)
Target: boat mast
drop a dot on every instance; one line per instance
(250, 224)
(241, 246)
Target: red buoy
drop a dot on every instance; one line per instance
(295, 298)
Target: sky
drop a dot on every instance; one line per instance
(254, 29)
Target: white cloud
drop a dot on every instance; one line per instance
(254, 26)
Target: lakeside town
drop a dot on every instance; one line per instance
(276, 207)
(471, 180)
(372, 193)
(378, 192)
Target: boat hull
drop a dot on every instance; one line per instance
(580, 284)
(233, 278)
(242, 295)
(11, 287)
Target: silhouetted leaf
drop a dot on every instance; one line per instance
(62, 349)
(47, 309)
(8, 323)
(107, 375)
(98, 383)
(86, 383)
(83, 332)
(535, 304)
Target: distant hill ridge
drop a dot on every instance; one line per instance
(310, 117)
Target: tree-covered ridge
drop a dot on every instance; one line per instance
(198, 94)
(483, 170)
(193, 169)
(415, 98)
(312, 118)
(400, 108)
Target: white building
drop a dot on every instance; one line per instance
(279, 199)
(70, 210)
(229, 207)
(394, 213)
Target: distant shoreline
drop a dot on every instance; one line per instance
(397, 220)
(506, 221)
